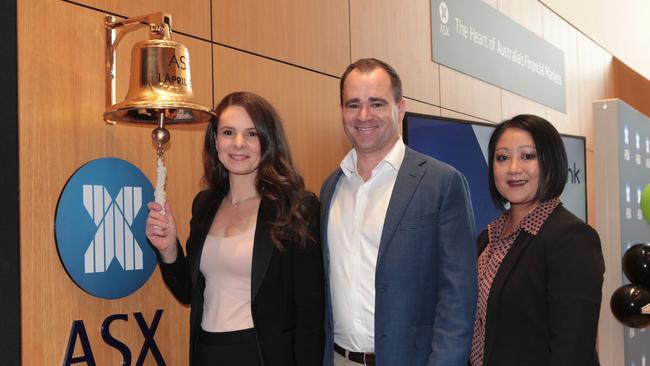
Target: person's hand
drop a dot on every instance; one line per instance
(161, 231)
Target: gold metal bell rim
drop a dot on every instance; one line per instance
(144, 111)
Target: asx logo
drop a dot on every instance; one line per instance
(99, 228)
(113, 238)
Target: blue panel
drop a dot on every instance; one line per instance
(456, 144)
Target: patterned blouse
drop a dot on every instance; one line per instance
(490, 260)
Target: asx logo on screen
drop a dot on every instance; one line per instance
(99, 228)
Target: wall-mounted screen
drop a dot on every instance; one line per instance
(464, 145)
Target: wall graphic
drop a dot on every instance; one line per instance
(476, 39)
(99, 226)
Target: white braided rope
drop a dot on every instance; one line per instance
(161, 175)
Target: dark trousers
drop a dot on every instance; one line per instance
(236, 348)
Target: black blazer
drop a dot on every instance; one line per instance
(286, 288)
(544, 302)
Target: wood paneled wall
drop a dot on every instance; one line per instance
(289, 51)
(631, 87)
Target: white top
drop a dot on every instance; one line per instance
(226, 265)
(356, 221)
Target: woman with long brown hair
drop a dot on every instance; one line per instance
(253, 269)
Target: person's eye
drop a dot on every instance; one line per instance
(352, 106)
(377, 105)
(252, 133)
(501, 158)
(226, 132)
(529, 156)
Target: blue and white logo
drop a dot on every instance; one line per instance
(99, 225)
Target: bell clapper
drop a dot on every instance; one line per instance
(160, 136)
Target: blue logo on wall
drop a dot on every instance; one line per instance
(99, 226)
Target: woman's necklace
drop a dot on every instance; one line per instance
(238, 203)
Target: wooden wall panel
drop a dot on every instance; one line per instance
(453, 114)
(563, 36)
(631, 87)
(308, 103)
(459, 92)
(313, 34)
(513, 104)
(61, 98)
(422, 108)
(398, 32)
(594, 82)
(188, 16)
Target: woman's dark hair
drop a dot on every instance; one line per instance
(551, 155)
(277, 179)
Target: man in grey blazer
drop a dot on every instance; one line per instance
(398, 239)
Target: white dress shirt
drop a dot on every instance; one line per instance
(356, 221)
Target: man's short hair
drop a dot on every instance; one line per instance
(367, 65)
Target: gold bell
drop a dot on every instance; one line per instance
(160, 85)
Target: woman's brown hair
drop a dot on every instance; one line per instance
(277, 179)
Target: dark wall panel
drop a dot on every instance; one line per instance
(10, 258)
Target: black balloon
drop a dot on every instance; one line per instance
(626, 304)
(636, 264)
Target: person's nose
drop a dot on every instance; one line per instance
(239, 140)
(364, 113)
(514, 166)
